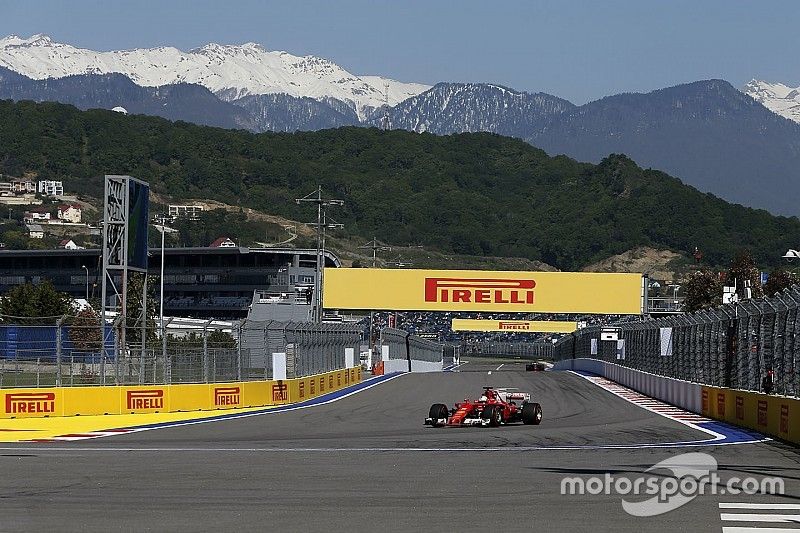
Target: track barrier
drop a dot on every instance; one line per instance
(114, 400)
(776, 416)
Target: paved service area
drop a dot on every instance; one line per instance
(366, 463)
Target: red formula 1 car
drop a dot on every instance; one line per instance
(494, 407)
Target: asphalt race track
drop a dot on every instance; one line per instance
(366, 463)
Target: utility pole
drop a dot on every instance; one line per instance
(374, 246)
(316, 198)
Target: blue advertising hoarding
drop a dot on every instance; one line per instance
(138, 216)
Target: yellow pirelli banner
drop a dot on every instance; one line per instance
(475, 290)
(514, 326)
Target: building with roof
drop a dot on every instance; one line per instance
(223, 242)
(70, 213)
(198, 282)
(51, 188)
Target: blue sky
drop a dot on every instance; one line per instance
(579, 50)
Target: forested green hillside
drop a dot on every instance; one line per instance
(468, 194)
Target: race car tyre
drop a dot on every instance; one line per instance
(438, 411)
(493, 414)
(531, 413)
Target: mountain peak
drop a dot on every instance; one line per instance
(229, 71)
(37, 39)
(777, 97)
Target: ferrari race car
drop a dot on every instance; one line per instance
(494, 407)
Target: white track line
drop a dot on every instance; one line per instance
(753, 517)
(738, 529)
(763, 506)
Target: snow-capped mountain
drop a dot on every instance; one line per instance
(470, 107)
(230, 72)
(776, 97)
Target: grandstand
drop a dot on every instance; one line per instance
(198, 282)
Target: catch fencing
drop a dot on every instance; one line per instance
(310, 348)
(522, 350)
(751, 345)
(403, 345)
(74, 351)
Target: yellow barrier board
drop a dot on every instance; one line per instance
(91, 401)
(153, 399)
(194, 397)
(473, 290)
(776, 416)
(514, 326)
(32, 403)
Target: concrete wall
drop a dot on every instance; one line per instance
(673, 391)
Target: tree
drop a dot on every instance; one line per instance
(36, 300)
(703, 289)
(743, 269)
(133, 308)
(84, 331)
(221, 339)
(779, 280)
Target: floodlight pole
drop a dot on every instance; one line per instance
(316, 197)
(374, 246)
(87, 282)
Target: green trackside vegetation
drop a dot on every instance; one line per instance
(471, 194)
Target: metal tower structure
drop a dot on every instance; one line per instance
(316, 198)
(386, 124)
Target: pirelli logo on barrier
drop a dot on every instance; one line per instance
(478, 290)
(510, 325)
(145, 399)
(763, 409)
(227, 396)
(784, 426)
(471, 290)
(43, 403)
(280, 392)
(514, 326)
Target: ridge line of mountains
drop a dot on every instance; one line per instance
(709, 134)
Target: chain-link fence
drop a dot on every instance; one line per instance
(72, 351)
(751, 345)
(310, 348)
(403, 345)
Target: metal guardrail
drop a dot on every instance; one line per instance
(751, 345)
(70, 351)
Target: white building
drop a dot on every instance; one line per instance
(223, 242)
(192, 212)
(70, 213)
(23, 185)
(51, 188)
(69, 244)
(35, 231)
(36, 216)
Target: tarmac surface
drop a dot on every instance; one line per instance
(367, 463)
